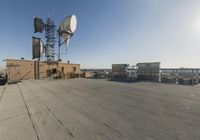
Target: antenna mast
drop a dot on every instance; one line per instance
(50, 39)
(65, 32)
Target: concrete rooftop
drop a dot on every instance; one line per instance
(84, 109)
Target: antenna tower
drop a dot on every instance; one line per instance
(50, 39)
(64, 33)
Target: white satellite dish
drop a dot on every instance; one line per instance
(68, 24)
(68, 27)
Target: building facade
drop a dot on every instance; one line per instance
(149, 71)
(24, 69)
(119, 71)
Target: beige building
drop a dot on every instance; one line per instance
(25, 69)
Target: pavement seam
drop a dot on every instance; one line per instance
(88, 115)
(2, 93)
(67, 131)
(11, 117)
(29, 114)
(97, 120)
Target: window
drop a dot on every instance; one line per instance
(62, 69)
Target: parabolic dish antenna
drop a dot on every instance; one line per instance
(38, 25)
(68, 27)
(37, 47)
(68, 24)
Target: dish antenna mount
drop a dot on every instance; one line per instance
(65, 32)
(49, 27)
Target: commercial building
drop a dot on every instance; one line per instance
(149, 71)
(119, 71)
(142, 71)
(25, 69)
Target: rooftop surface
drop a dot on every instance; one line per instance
(86, 109)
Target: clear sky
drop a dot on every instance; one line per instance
(109, 31)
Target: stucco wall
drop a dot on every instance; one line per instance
(24, 69)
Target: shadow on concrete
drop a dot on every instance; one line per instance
(12, 82)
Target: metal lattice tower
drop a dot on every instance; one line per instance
(50, 39)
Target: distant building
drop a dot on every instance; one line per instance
(119, 71)
(26, 69)
(87, 74)
(184, 76)
(149, 71)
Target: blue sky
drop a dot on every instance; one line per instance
(109, 31)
